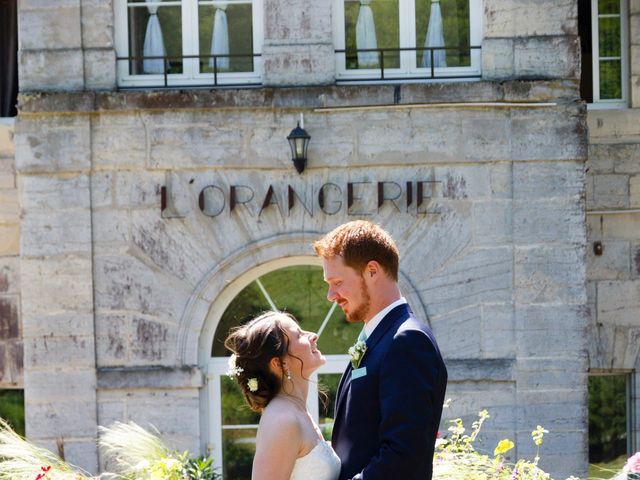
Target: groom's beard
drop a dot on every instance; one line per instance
(361, 311)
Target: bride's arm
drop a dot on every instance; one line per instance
(278, 442)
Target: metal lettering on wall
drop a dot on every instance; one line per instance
(358, 198)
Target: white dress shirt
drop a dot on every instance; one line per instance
(371, 325)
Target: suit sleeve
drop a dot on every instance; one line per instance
(409, 376)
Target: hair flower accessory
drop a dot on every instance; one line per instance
(234, 370)
(356, 352)
(252, 384)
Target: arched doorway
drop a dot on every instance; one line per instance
(294, 285)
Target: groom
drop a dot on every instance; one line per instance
(390, 398)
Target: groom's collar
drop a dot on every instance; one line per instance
(371, 325)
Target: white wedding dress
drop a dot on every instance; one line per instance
(321, 463)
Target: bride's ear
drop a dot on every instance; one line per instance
(275, 365)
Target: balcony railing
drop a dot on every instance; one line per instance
(174, 72)
(387, 55)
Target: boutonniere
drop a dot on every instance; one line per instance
(356, 352)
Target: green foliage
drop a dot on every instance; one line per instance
(607, 417)
(12, 409)
(200, 468)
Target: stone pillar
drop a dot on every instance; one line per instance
(549, 287)
(634, 45)
(53, 162)
(66, 45)
(298, 43)
(10, 331)
(530, 39)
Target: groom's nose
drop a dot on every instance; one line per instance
(331, 295)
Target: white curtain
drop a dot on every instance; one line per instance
(434, 38)
(220, 37)
(153, 44)
(366, 35)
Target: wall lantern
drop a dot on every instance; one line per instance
(299, 141)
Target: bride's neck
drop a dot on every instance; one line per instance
(297, 389)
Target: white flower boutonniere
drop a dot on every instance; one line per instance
(356, 352)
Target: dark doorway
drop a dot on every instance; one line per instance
(8, 58)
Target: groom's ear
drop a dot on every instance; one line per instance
(372, 269)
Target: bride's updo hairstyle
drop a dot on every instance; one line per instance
(254, 344)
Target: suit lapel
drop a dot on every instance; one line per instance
(399, 312)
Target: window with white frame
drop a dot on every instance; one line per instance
(174, 43)
(301, 291)
(407, 39)
(603, 28)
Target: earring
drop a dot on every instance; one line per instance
(288, 373)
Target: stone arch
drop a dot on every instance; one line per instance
(225, 280)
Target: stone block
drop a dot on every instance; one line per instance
(100, 69)
(11, 364)
(544, 135)
(10, 275)
(46, 385)
(635, 91)
(619, 302)
(548, 180)
(53, 144)
(551, 374)
(297, 22)
(498, 336)
(526, 18)
(9, 240)
(634, 191)
(486, 135)
(9, 207)
(498, 58)
(609, 191)
(7, 148)
(102, 189)
(134, 190)
(626, 347)
(551, 331)
(479, 276)
(54, 193)
(613, 264)
(51, 70)
(298, 64)
(9, 317)
(56, 285)
(119, 142)
(97, 24)
(111, 227)
(501, 179)
(170, 411)
(634, 7)
(547, 57)
(48, 27)
(602, 157)
(492, 222)
(55, 233)
(548, 221)
(549, 274)
(621, 226)
(65, 324)
(68, 419)
(113, 339)
(459, 333)
(59, 352)
(82, 453)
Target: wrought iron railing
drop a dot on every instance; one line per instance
(434, 71)
(173, 61)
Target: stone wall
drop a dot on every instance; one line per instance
(613, 219)
(11, 371)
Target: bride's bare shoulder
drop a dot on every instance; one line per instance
(280, 415)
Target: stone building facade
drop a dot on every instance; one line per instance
(131, 220)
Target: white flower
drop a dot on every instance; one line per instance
(234, 370)
(356, 352)
(252, 383)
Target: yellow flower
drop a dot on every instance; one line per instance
(503, 447)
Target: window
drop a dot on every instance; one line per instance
(12, 409)
(610, 423)
(8, 58)
(233, 426)
(188, 42)
(407, 39)
(604, 43)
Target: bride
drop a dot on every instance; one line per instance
(272, 361)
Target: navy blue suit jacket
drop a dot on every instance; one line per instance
(386, 421)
